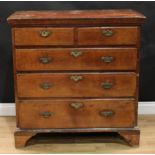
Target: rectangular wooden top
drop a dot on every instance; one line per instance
(83, 16)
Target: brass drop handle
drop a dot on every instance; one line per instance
(107, 85)
(44, 33)
(45, 85)
(76, 105)
(46, 114)
(76, 78)
(107, 113)
(76, 53)
(45, 60)
(107, 33)
(107, 59)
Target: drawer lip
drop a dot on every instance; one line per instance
(90, 106)
(88, 59)
(87, 72)
(85, 48)
(21, 101)
(63, 86)
(31, 36)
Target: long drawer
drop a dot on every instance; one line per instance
(76, 85)
(76, 59)
(76, 113)
(43, 36)
(108, 36)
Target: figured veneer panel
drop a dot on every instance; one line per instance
(76, 59)
(44, 36)
(76, 85)
(91, 114)
(108, 36)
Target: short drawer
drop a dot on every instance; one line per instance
(43, 36)
(77, 113)
(76, 59)
(76, 85)
(108, 36)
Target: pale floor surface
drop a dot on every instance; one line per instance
(147, 143)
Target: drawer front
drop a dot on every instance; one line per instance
(76, 59)
(44, 36)
(108, 36)
(76, 85)
(76, 113)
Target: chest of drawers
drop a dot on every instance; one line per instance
(76, 71)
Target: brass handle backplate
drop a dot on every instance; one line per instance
(45, 60)
(76, 53)
(107, 59)
(107, 33)
(107, 85)
(107, 113)
(46, 114)
(76, 105)
(46, 85)
(76, 78)
(44, 33)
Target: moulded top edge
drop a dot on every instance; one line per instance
(112, 16)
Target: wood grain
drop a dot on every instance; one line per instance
(86, 116)
(133, 138)
(121, 36)
(22, 139)
(68, 77)
(88, 59)
(31, 36)
(90, 17)
(123, 85)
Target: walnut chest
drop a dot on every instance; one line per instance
(76, 71)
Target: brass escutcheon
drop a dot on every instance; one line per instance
(76, 105)
(76, 53)
(44, 33)
(107, 33)
(76, 78)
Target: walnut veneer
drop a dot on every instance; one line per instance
(76, 71)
